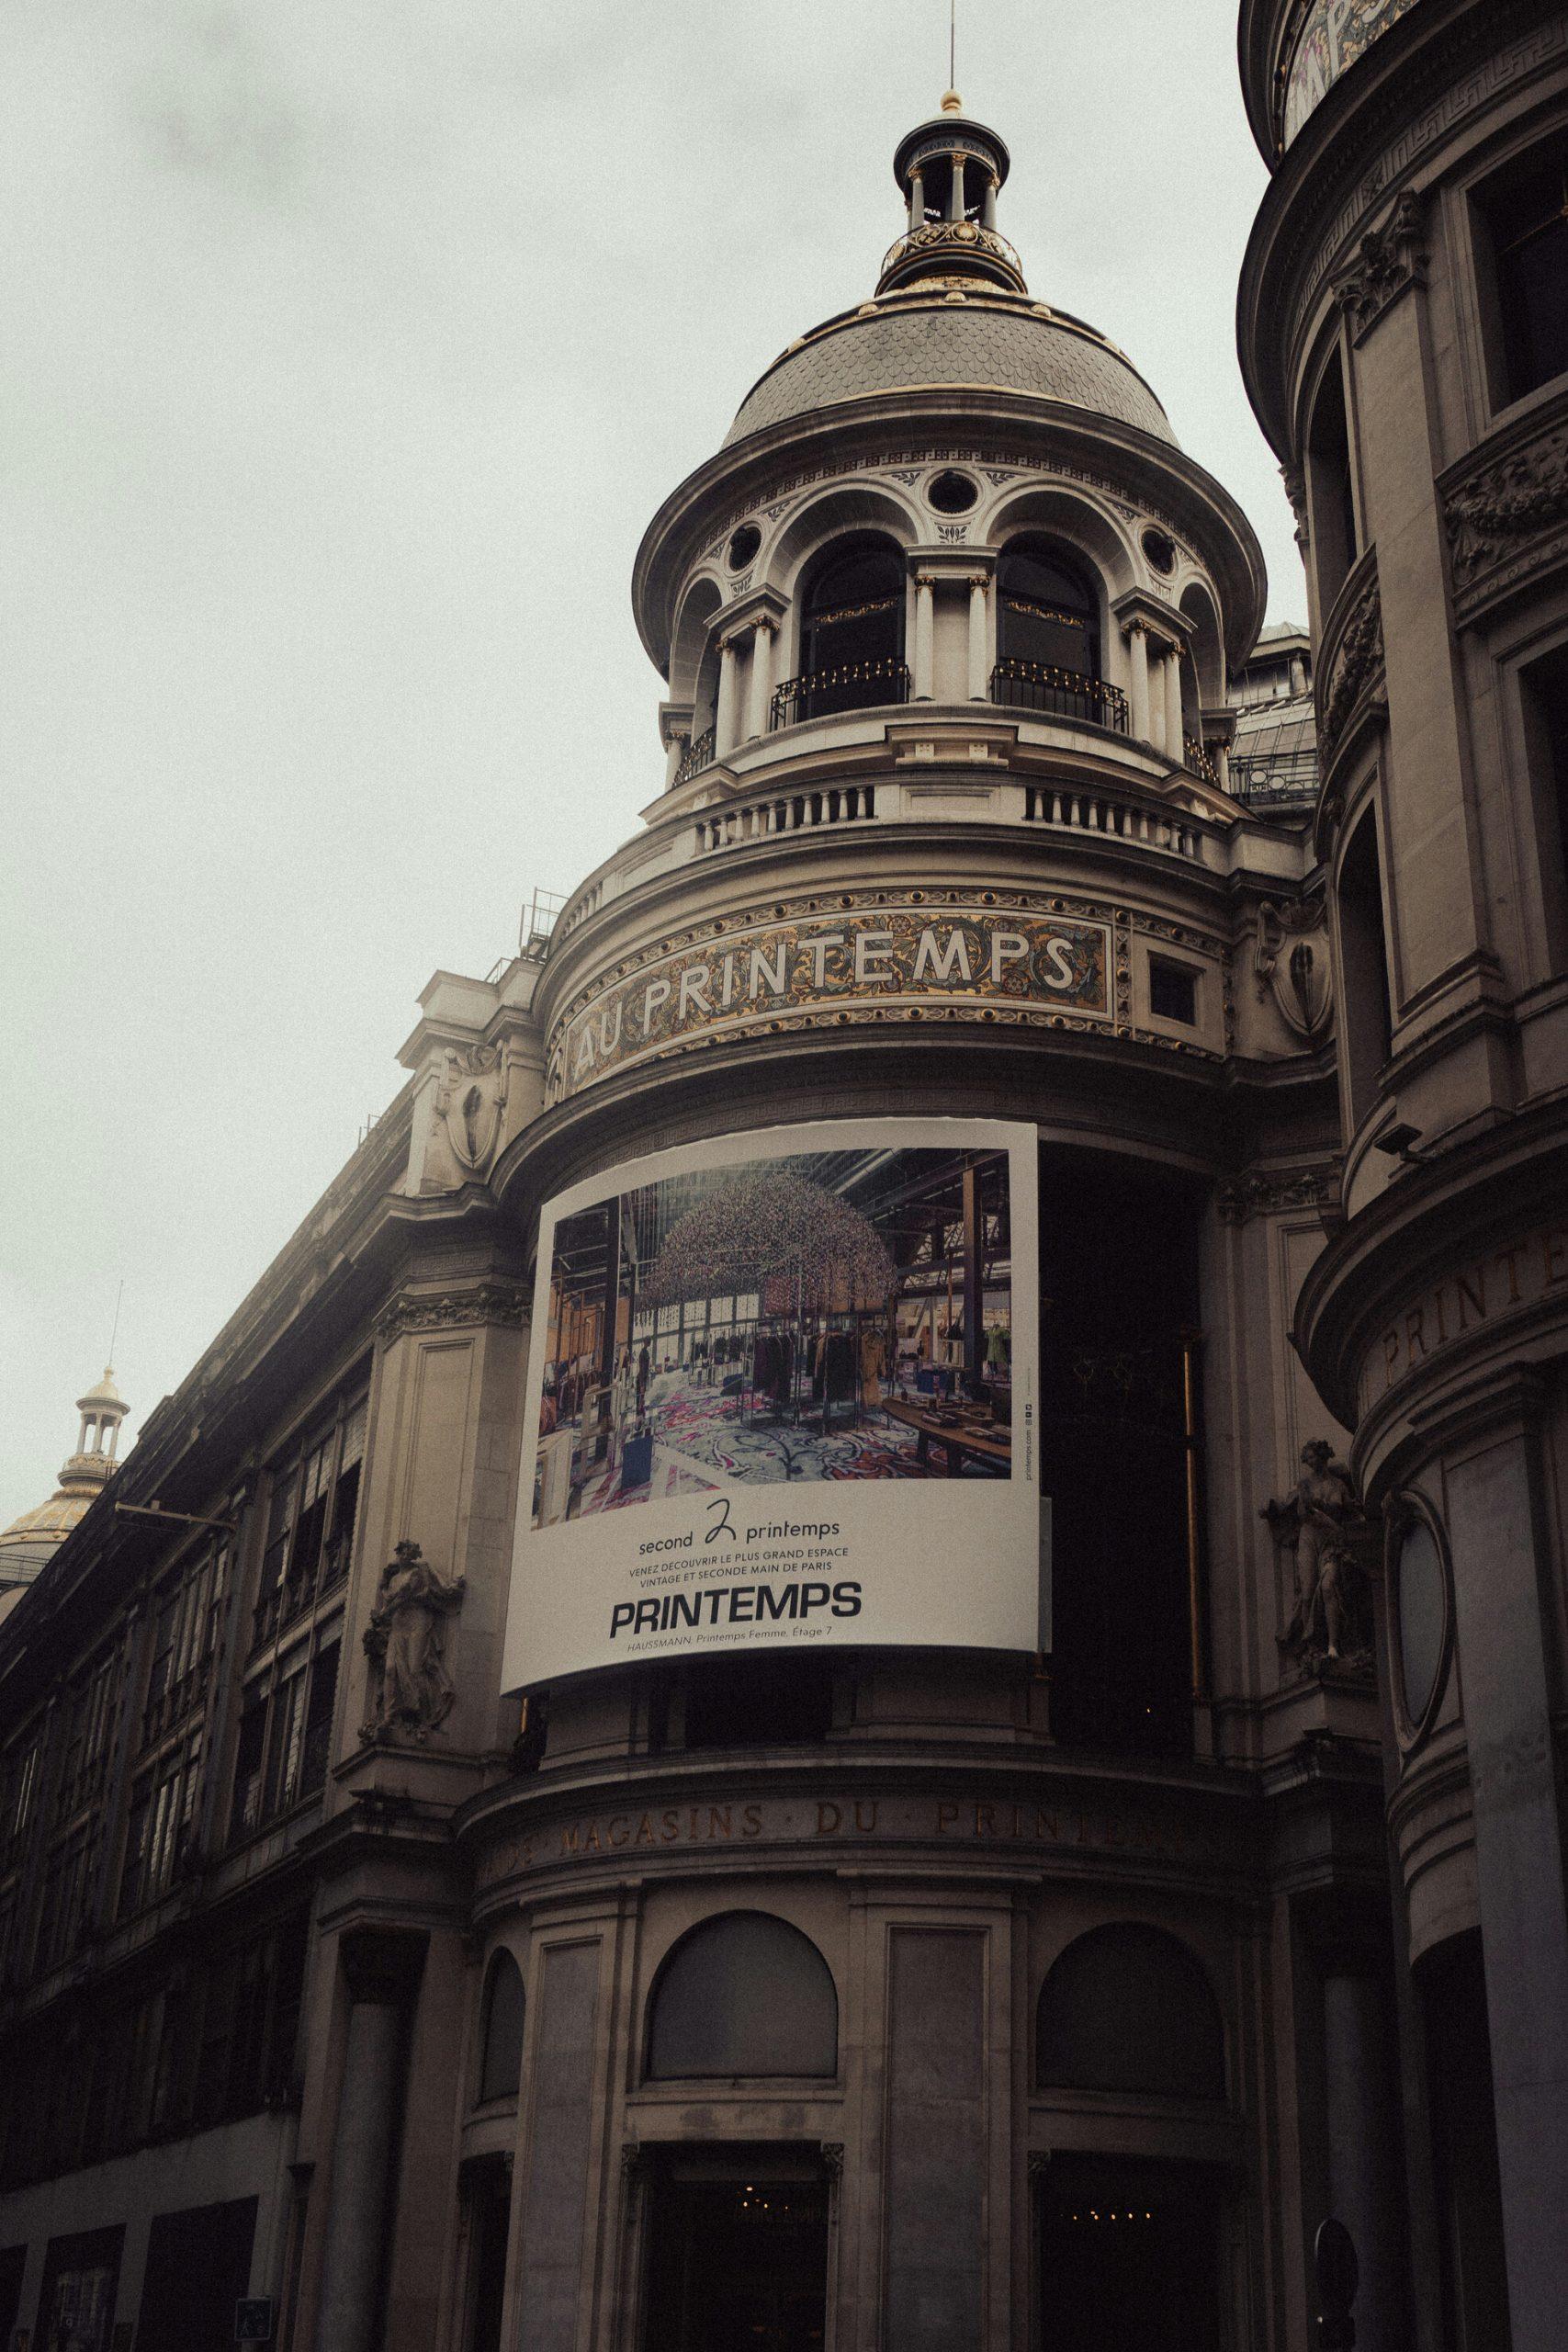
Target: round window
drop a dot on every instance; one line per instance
(744, 545)
(1160, 548)
(951, 494)
(1422, 1607)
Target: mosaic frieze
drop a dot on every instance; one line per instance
(942, 956)
(1335, 34)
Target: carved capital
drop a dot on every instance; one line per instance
(505, 1303)
(1389, 261)
(1268, 1191)
(833, 2160)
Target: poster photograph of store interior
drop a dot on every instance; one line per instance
(799, 1353)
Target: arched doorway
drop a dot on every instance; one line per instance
(852, 635)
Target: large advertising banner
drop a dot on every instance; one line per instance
(783, 1392)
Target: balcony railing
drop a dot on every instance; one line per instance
(1197, 760)
(856, 685)
(698, 754)
(1279, 778)
(1061, 694)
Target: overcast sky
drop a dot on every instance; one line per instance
(348, 347)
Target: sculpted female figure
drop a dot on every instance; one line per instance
(406, 1637)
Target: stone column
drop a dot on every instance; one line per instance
(925, 637)
(761, 677)
(1362, 2171)
(1174, 746)
(724, 715)
(675, 751)
(988, 203)
(978, 681)
(955, 193)
(381, 1971)
(916, 199)
(1504, 1624)
(1138, 654)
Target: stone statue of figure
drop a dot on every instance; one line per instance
(405, 1637)
(1322, 1520)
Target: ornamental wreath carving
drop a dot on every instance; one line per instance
(1522, 497)
(411, 1692)
(1322, 1525)
(471, 1098)
(1290, 963)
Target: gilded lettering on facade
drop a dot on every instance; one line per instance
(916, 954)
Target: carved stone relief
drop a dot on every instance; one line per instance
(1357, 659)
(1388, 262)
(1513, 514)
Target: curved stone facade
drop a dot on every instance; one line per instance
(1388, 332)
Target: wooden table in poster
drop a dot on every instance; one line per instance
(975, 1440)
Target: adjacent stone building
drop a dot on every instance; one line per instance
(1404, 334)
(908, 1997)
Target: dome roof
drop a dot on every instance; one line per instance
(48, 1522)
(106, 1393)
(948, 331)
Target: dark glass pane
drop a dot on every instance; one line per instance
(744, 1995)
(502, 2067)
(1127, 2008)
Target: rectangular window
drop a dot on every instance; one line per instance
(317, 1752)
(346, 1492)
(1522, 215)
(245, 1813)
(284, 1742)
(1546, 722)
(1173, 992)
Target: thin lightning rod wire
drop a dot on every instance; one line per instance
(115, 1332)
(953, 44)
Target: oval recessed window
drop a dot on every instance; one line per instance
(1160, 548)
(951, 494)
(1422, 1620)
(744, 545)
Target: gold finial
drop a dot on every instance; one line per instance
(952, 103)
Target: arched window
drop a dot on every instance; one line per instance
(1046, 611)
(1048, 635)
(1367, 1013)
(746, 1994)
(851, 639)
(500, 2067)
(1331, 501)
(1127, 2008)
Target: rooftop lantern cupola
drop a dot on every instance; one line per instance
(950, 171)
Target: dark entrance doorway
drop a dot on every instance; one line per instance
(737, 2254)
(1128, 2255)
(199, 2267)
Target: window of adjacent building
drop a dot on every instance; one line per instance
(89, 1737)
(501, 2062)
(285, 1739)
(160, 1823)
(1331, 498)
(852, 629)
(310, 1516)
(1522, 215)
(1173, 990)
(744, 1995)
(1546, 722)
(1367, 1015)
